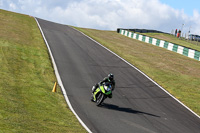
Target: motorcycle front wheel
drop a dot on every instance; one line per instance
(100, 99)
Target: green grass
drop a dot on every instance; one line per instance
(178, 74)
(171, 38)
(26, 81)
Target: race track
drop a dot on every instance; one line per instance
(137, 106)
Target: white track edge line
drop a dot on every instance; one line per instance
(60, 81)
(141, 73)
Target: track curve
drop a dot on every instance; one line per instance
(138, 105)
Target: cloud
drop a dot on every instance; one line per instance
(109, 14)
(12, 6)
(195, 22)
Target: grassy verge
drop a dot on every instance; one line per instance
(26, 80)
(170, 38)
(178, 74)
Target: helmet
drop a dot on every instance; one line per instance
(110, 76)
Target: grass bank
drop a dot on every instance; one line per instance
(171, 38)
(178, 74)
(26, 81)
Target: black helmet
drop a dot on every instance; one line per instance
(110, 76)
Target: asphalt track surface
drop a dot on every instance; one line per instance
(137, 106)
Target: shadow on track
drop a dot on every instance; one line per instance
(128, 110)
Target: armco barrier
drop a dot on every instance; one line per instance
(164, 44)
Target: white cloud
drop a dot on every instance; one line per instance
(12, 6)
(110, 14)
(195, 25)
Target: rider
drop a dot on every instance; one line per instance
(109, 80)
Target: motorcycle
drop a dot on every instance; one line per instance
(101, 93)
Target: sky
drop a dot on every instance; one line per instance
(162, 15)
